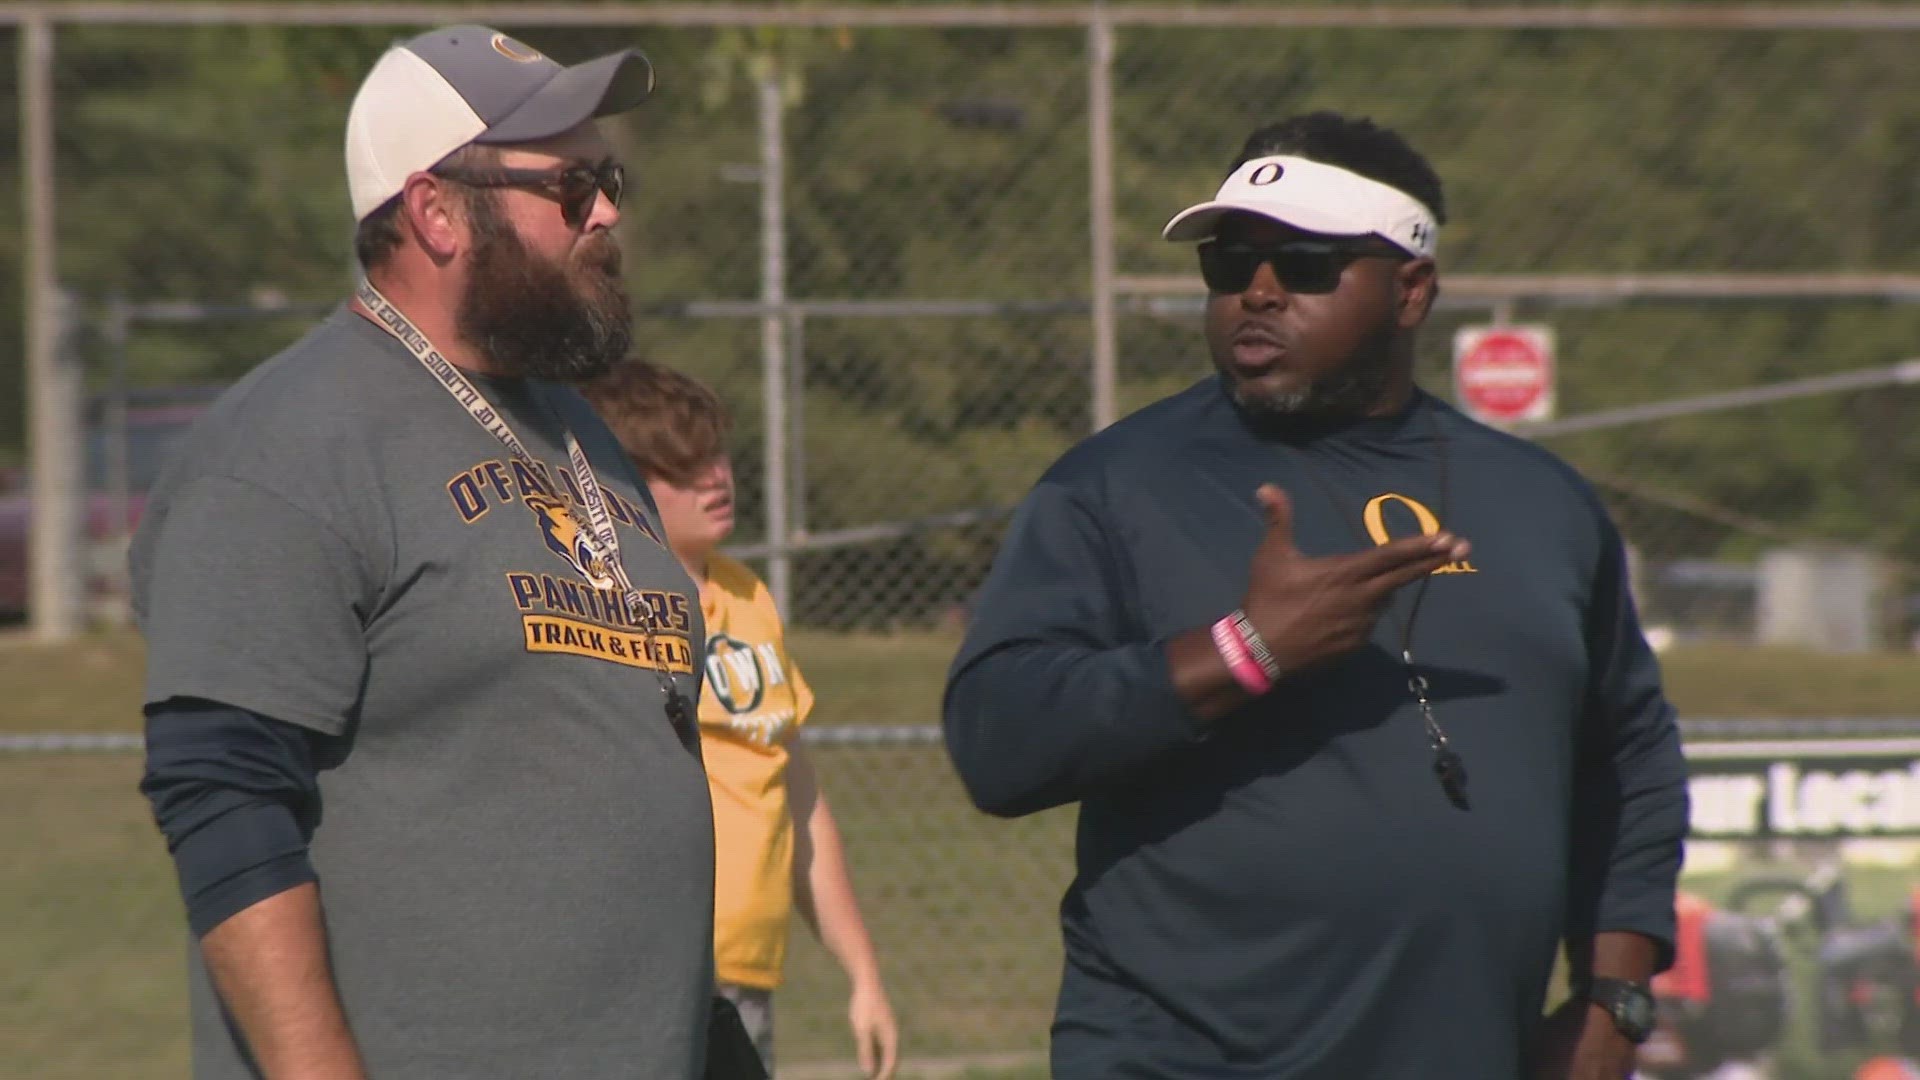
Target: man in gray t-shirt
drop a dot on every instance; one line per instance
(419, 668)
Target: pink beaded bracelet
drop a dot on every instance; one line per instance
(1233, 649)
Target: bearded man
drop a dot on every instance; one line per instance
(420, 672)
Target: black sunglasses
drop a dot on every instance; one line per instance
(575, 186)
(1302, 266)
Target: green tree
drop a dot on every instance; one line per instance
(203, 163)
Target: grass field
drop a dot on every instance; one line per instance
(962, 905)
(91, 951)
(896, 678)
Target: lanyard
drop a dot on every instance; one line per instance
(604, 569)
(1447, 764)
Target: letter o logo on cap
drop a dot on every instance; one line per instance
(514, 51)
(1266, 174)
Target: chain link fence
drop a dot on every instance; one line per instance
(874, 241)
(874, 236)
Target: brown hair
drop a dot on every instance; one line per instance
(670, 423)
(378, 234)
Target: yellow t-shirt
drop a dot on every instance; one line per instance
(752, 703)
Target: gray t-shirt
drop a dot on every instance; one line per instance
(516, 857)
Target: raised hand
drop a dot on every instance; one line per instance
(1310, 610)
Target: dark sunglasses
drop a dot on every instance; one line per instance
(575, 186)
(1300, 266)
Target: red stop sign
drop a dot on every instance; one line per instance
(1504, 373)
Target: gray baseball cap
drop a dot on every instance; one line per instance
(435, 93)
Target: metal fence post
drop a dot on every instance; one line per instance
(1100, 197)
(773, 353)
(118, 452)
(53, 377)
(797, 428)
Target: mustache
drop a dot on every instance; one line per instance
(601, 254)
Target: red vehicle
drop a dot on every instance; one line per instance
(154, 420)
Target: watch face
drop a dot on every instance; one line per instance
(1636, 1015)
(1633, 1008)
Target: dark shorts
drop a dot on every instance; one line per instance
(756, 1012)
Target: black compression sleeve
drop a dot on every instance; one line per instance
(237, 796)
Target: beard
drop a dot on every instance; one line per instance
(1351, 392)
(534, 317)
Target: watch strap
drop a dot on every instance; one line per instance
(1629, 1003)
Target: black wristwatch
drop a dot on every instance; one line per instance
(1630, 1004)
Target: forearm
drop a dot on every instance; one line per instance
(1614, 954)
(824, 895)
(269, 963)
(1035, 725)
(1201, 676)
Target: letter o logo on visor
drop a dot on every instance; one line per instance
(1266, 174)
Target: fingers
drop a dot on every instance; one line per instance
(1278, 508)
(1439, 550)
(1456, 548)
(876, 1040)
(863, 1049)
(889, 1052)
(1406, 572)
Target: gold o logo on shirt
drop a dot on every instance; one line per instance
(1375, 517)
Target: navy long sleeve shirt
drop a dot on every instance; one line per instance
(237, 796)
(1287, 893)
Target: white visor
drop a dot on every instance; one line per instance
(1317, 198)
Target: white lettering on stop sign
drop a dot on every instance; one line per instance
(1504, 374)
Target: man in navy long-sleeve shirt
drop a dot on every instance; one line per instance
(1347, 781)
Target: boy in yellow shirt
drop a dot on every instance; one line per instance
(776, 844)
